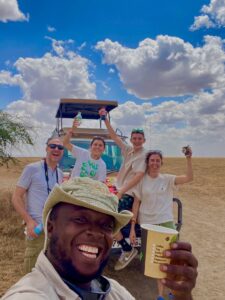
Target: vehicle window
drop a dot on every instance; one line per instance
(112, 157)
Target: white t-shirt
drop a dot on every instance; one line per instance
(86, 166)
(156, 195)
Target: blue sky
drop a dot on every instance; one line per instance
(162, 61)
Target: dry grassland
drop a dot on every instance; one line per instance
(203, 217)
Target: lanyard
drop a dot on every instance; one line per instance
(47, 178)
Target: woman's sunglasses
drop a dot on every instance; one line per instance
(54, 146)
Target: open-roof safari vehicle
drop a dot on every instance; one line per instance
(69, 108)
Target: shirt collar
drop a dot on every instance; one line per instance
(100, 287)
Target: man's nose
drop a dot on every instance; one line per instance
(94, 229)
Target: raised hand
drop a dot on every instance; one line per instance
(187, 151)
(103, 113)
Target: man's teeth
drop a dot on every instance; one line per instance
(89, 251)
(89, 255)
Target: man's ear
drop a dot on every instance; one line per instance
(50, 226)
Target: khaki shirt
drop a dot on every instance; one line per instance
(133, 163)
(44, 283)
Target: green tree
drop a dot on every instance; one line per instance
(13, 134)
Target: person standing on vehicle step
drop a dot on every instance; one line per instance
(88, 162)
(153, 202)
(130, 173)
(35, 183)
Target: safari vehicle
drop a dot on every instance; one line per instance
(68, 108)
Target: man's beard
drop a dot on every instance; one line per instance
(67, 270)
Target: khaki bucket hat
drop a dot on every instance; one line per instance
(89, 193)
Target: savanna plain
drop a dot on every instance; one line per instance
(203, 226)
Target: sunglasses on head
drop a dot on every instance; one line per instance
(137, 130)
(159, 152)
(54, 146)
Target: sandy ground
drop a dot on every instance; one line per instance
(203, 225)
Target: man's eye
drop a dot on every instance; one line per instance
(80, 220)
(108, 227)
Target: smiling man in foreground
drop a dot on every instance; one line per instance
(81, 217)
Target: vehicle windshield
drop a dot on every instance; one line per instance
(111, 156)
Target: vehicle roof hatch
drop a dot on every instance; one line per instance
(68, 108)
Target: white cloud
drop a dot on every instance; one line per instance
(198, 121)
(82, 46)
(212, 15)
(9, 11)
(35, 111)
(166, 66)
(7, 78)
(129, 115)
(104, 86)
(43, 82)
(51, 29)
(60, 47)
(48, 78)
(202, 21)
(111, 71)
